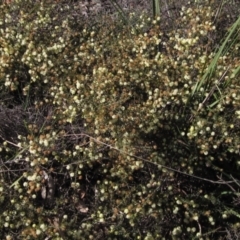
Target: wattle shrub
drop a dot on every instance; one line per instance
(112, 130)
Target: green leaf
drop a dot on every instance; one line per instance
(156, 8)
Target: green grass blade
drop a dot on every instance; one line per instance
(237, 71)
(156, 8)
(120, 11)
(16, 182)
(222, 50)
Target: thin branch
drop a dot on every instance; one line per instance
(229, 186)
(145, 160)
(236, 181)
